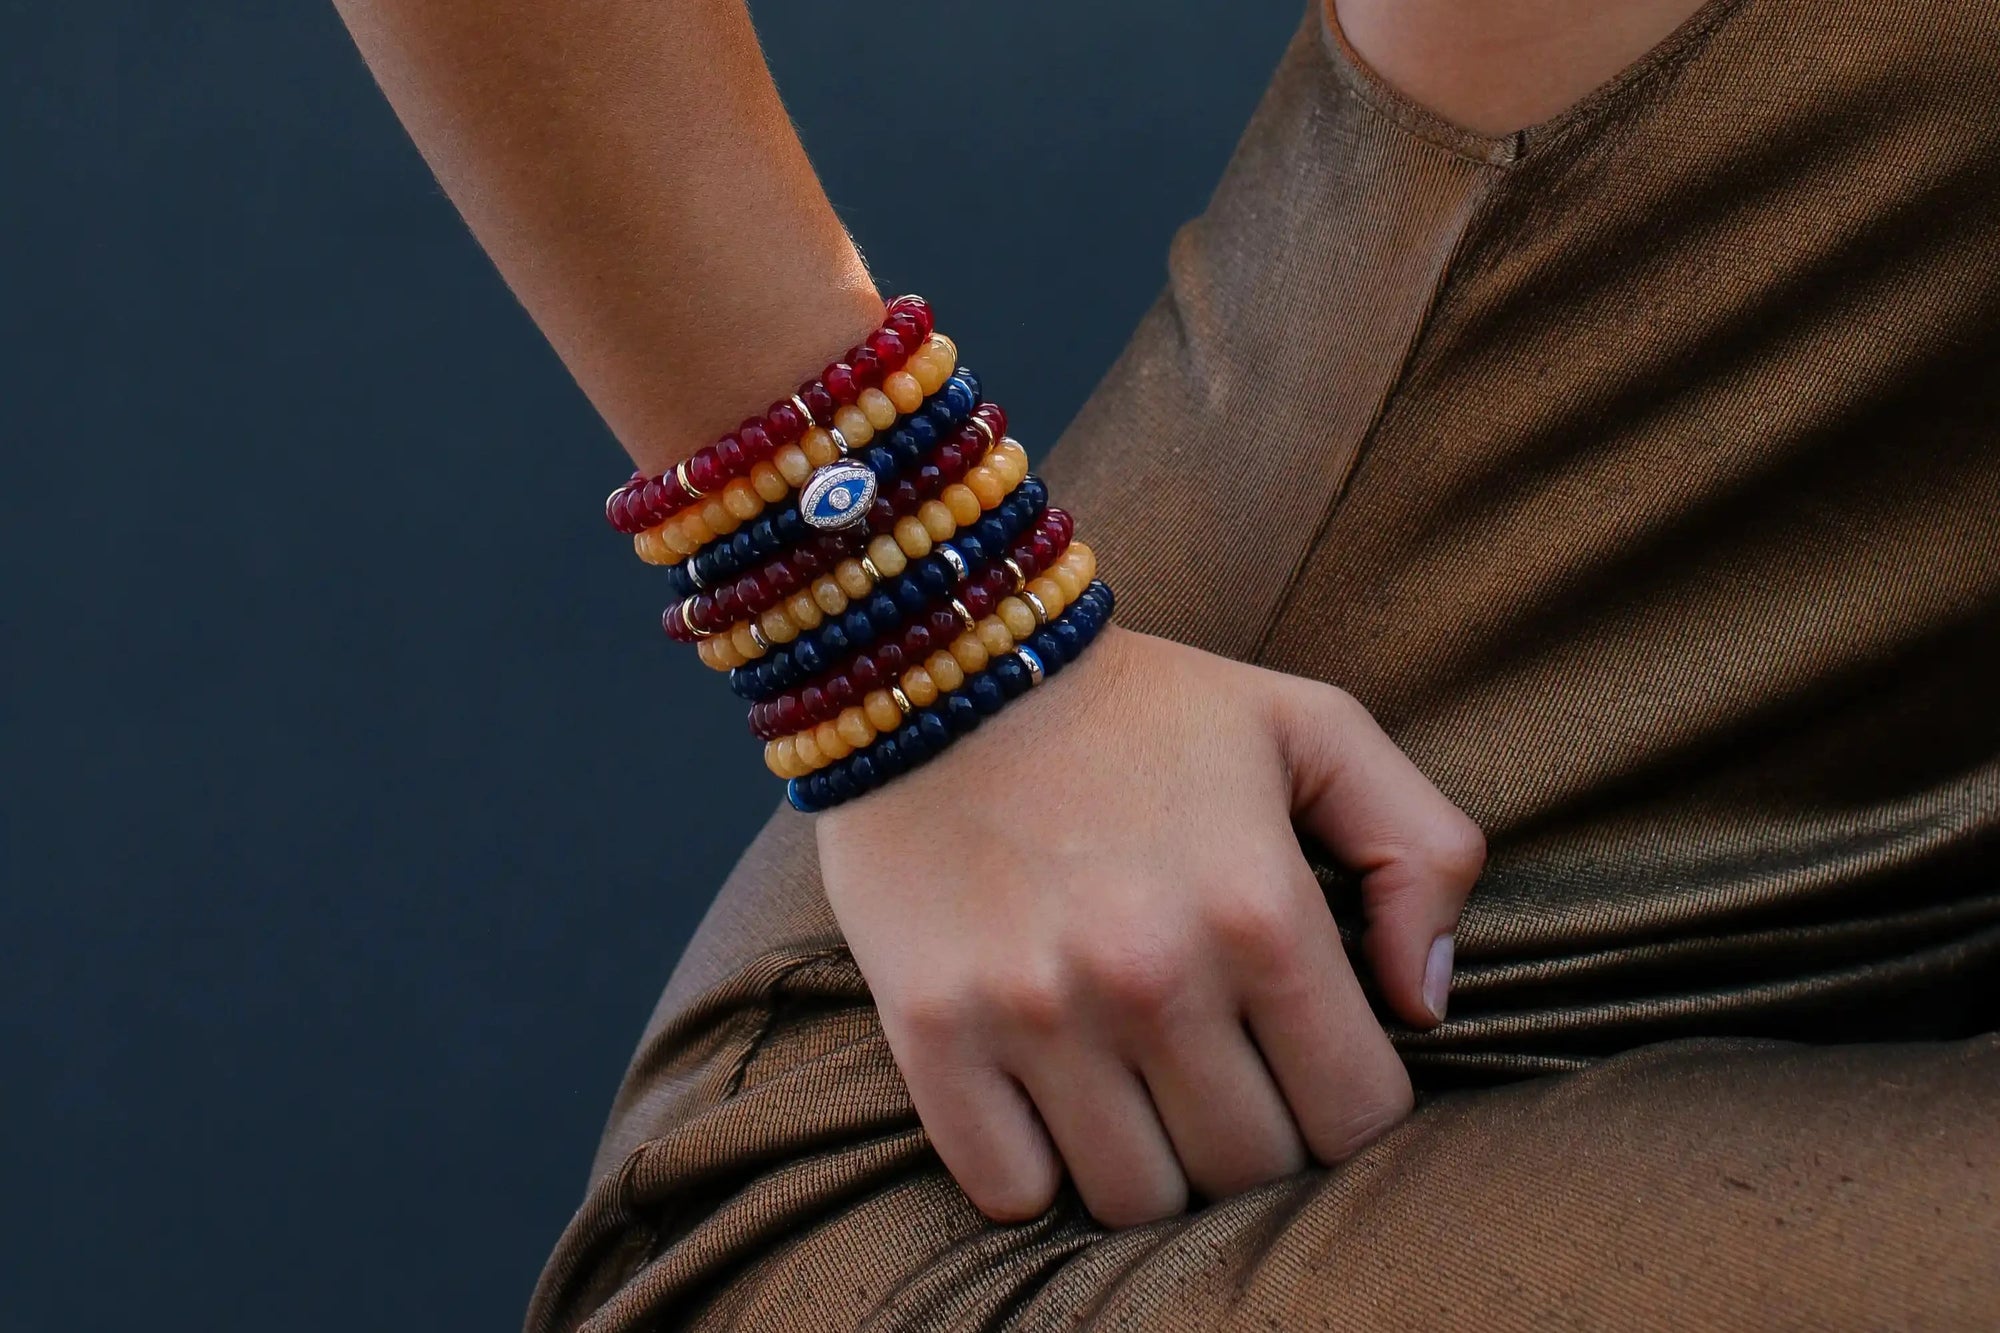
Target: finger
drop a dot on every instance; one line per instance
(1109, 1135)
(1330, 1058)
(1417, 853)
(984, 1129)
(1224, 1115)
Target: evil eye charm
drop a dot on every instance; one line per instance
(837, 496)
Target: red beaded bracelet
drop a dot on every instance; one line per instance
(844, 685)
(643, 502)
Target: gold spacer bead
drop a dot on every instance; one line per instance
(839, 440)
(981, 425)
(757, 635)
(902, 700)
(687, 618)
(1041, 612)
(1014, 568)
(868, 568)
(694, 575)
(681, 475)
(960, 571)
(963, 614)
(804, 411)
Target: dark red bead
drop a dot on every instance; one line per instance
(888, 346)
(840, 692)
(785, 424)
(1042, 549)
(918, 309)
(929, 480)
(752, 592)
(701, 612)
(917, 641)
(806, 562)
(704, 472)
(757, 442)
(904, 497)
(950, 460)
(993, 415)
(781, 578)
(619, 511)
(812, 700)
(728, 605)
(889, 660)
(997, 581)
(944, 624)
(978, 600)
(819, 400)
(867, 675)
(729, 457)
(907, 327)
(653, 502)
(869, 372)
(791, 714)
(840, 381)
(1061, 524)
(881, 515)
(670, 621)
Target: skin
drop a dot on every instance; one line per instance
(1114, 961)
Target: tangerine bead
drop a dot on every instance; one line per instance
(903, 391)
(945, 672)
(1085, 558)
(880, 706)
(1016, 615)
(937, 520)
(1066, 579)
(709, 650)
(802, 610)
(740, 640)
(930, 369)
(985, 483)
(828, 595)
(919, 688)
(945, 346)
(739, 497)
(769, 483)
(1049, 594)
(912, 537)
(819, 448)
(677, 539)
(830, 742)
(969, 652)
(854, 426)
(879, 408)
(779, 757)
(792, 464)
(806, 748)
(717, 516)
(962, 503)
(855, 728)
(778, 626)
(651, 547)
(853, 579)
(994, 636)
(886, 556)
(695, 527)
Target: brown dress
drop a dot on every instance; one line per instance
(1641, 472)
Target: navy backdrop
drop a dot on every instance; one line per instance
(343, 859)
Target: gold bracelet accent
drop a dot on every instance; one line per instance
(687, 618)
(1041, 611)
(902, 700)
(839, 440)
(868, 568)
(1014, 568)
(980, 424)
(804, 411)
(963, 614)
(681, 475)
(757, 634)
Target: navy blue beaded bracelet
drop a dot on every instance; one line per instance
(924, 584)
(896, 451)
(929, 731)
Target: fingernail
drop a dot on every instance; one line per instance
(1437, 976)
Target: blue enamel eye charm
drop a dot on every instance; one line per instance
(837, 496)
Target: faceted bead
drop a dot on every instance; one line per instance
(916, 308)
(782, 757)
(865, 673)
(944, 624)
(819, 401)
(903, 391)
(861, 768)
(781, 578)
(704, 471)
(752, 591)
(910, 596)
(930, 370)
(936, 520)
(716, 515)
(935, 730)
(1086, 561)
(840, 785)
(888, 346)
(868, 368)
(881, 515)
(904, 498)
(929, 479)
(1011, 674)
(729, 456)
(784, 423)
(740, 640)
(888, 757)
(651, 547)
(854, 425)
(918, 687)
(985, 694)
(840, 383)
(858, 628)
(917, 643)
(952, 461)
(882, 609)
(769, 483)
(812, 704)
(840, 692)
(832, 644)
(889, 659)
(961, 714)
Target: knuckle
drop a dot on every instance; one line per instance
(1363, 1122)
(933, 1017)
(1258, 927)
(1027, 1000)
(1020, 1195)
(1457, 849)
(1138, 980)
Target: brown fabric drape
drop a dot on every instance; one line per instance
(1640, 472)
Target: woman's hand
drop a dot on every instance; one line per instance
(1090, 922)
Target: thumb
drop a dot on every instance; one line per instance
(1417, 854)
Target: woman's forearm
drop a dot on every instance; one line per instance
(630, 169)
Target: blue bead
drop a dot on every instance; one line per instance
(1044, 647)
(1067, 633)
(861, 767)
(910, 597)
(859, 626)
(991, 532)
(796, 797)
(970, 379)
(985, 693)
(1010, 673)
(833, 640)
(809, 656)
(934, 729)
(919, 431)
(762, 532)
(880, 461)
(816, 790)
(881, 608)
(971, 548)
(789, 526)
(960, 713)
(933, 576)
(1033, 490)
(938, 416)
(840, 783)
(910, 740)
(908, 456)
(888, 757)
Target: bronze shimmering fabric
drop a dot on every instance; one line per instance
(1642, 473)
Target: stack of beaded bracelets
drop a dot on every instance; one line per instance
(871, 561)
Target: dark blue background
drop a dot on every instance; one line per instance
(344, 851)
